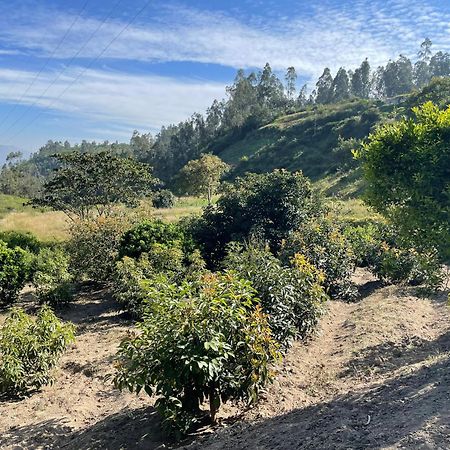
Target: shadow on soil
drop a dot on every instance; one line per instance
(128, 429)
(384, 414)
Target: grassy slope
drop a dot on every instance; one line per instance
(305, 141)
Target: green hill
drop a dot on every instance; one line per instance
(319, 139)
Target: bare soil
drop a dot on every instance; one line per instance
(376, 376)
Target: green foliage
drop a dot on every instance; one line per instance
(30, 348)
(14, 272)
(94, 246)
(270, 206)
(141, 237)
(52, 279)
(292, 297)
(163, 199)
(377, 246)
(321, 241)
(202, 176)
(131, 275)
(26, 241)
(86, 184)
(201, 340)
(406, 165)
(128, 283)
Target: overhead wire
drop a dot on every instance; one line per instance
(105, 49)
(31, 84)
(54, 81)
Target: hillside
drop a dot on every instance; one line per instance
(319, 139)
(376, 375)
(307, 140)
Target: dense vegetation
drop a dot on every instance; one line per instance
(265, 123)
(219, 297)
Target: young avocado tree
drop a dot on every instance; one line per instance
(88, 184)
(202, 176)
(407, 168)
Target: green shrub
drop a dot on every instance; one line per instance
(377, 246)
(52, 279)
(141, 237)
(130, 274)
(270, 206)
(163, 199)
(14, 272)
(200, 340)
(292, 297)
(94, 247)
(128, 287)
(323, 244)
(29, 349)
(26, 241)
(365, 239)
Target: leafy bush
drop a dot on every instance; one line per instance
(26, 241)
(163, 199)
(200, 340)
(14, 272)
(94, 247)
(292, 297)
(378, 247)
(269, 205)
(29, 349)
(323, 244)
(405, 164)
(128, 287)
(52, 279)
(365, 239)
(131, 274)
(141, 237)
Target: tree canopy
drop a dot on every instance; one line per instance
(86, 183)
(202, 176)
(407, 168)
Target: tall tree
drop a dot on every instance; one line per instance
(365, 78)
(440, 65)
(356, 84)
(86, 184)
(340, 87)
(141, 145)
(323, 87)
(270, 89)
(291, 80)
(422, 73)
(202, 176)
(302, 99)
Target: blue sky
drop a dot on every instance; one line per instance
(98, 69)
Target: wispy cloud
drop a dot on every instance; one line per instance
(122, 100)
(332, 35)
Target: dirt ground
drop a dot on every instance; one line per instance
(376, 376)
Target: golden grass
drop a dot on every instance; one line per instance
(355, 209)
(47, 226)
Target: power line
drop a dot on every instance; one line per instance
(91, 36)
(13, 108)
(85, 69)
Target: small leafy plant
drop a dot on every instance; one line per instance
(52, 279)
(30, 348)
(292, 297)
(204, 340)
(14, 272)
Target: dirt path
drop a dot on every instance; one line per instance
(376, 376)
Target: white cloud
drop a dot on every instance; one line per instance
(333, 35)
(123, 101)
